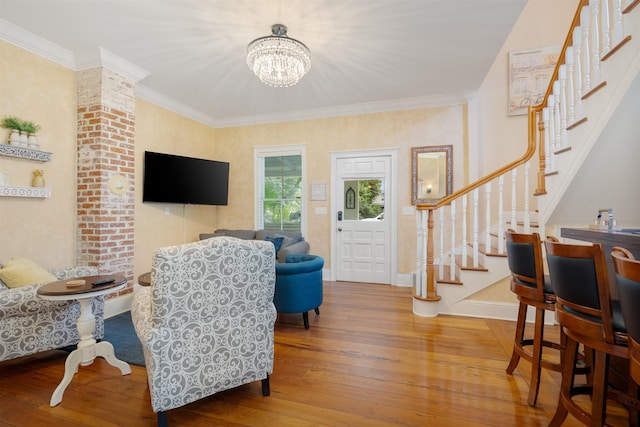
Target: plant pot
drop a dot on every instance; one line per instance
(24, 139)
(33, 141)
(14, 139)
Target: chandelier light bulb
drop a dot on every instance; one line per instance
(278, 60)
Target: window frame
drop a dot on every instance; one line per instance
(277, 151)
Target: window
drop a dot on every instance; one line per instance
(280, 181)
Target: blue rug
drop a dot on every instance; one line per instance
(118, 330)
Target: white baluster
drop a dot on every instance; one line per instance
(527, 215)
(547, 139)
(605, 27)
(487, 239)
(571, 96)
(577, 56)
(465, 241)
(441, 261)
(564, 136)
(475, 228)
(421, 259)
(594, 8)
(551, 104)
(452, 259)
(514, 192)
(557, 127)
(501, 214)
(586, 50)
(617, 33)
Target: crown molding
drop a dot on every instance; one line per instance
(171, 104)
(347, 110)
(28, 41)
(102, 57)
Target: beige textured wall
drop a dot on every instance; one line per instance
(401, 130)
(164, 224)
(36, 89)
(44, 229)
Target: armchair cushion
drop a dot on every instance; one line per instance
(20, 271)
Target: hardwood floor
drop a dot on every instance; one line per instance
(365, 361)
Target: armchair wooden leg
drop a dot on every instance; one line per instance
(305, 318)
(266, 388)
(162, 419)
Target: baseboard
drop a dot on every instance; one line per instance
(494, 310)
(117, 305)
(405, 280)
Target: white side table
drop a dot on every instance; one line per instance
(88, 349)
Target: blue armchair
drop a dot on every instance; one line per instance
(299, 285)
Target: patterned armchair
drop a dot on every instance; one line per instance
(30, 324)
(206, 321)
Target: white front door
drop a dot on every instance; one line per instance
(363, 219)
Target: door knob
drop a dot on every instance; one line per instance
(339, 228)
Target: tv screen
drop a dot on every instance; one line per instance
(176, 179)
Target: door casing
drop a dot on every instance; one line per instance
(391, 204)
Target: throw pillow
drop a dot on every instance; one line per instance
(277, 242)
(288, 241)
(23, 272)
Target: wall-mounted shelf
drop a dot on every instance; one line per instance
(24, 153)
(24, 192)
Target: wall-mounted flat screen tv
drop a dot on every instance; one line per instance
(176, 179)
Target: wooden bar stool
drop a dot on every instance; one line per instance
(588, 316)
(628, 281)
(528, 282)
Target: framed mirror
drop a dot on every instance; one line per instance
(431, 173)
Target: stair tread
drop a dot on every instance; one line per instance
(469, 264)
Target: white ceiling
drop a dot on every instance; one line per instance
(367, 55)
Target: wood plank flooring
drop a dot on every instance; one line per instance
(367, 360)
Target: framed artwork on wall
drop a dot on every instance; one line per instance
(350, 199)
(529, 74)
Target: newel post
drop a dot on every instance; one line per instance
(419, 292)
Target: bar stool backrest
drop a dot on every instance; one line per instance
(583, 297)
(628, 281)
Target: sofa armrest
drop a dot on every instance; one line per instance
(301, 247)
(72, 272)
(24, 301)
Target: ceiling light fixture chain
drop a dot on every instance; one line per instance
(278, 60)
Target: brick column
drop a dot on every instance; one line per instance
(105, 144)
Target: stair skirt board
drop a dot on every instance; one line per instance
(494, 310)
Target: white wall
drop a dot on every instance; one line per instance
(503, 138)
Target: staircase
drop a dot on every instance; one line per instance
(460, 245)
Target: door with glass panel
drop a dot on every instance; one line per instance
(363, 225)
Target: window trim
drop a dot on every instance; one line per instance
(280, 150)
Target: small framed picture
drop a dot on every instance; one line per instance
(529, 74)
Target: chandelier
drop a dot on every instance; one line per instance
(278, 60)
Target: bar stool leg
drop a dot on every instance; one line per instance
(536, 367)
(517, 342)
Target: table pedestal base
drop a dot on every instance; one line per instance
(87, 351)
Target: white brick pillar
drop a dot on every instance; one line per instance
(105, 171)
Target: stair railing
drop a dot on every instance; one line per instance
(595, 33)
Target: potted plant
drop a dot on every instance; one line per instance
(30, 128)
(15, 125)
